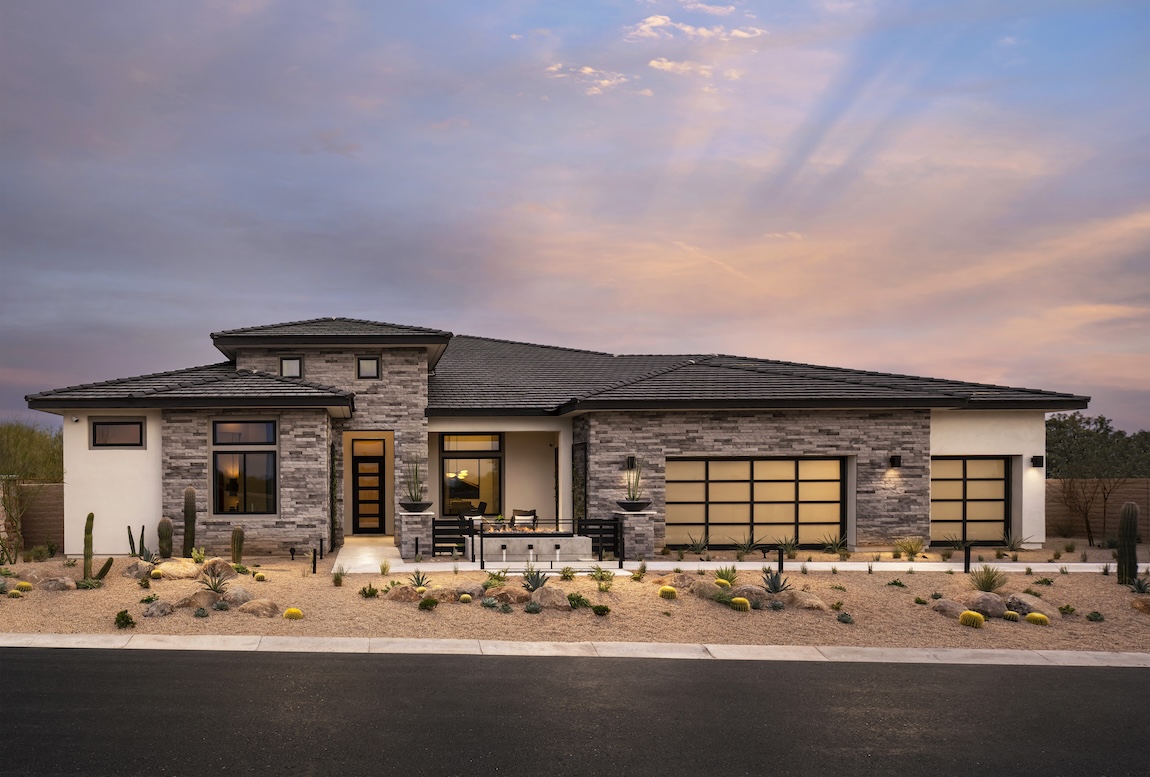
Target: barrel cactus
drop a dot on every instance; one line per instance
(722, 583)
(23, 586)
(668, 592)
(972, 619)
(260, 577)
(1010, 615)
(465, 598)
(293, 614)
(157, 574)
(1038, 619)
(741, 604)
(1128, 544)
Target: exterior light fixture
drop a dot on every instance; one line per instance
(630, 464)
(1037, 461)
(896, 461)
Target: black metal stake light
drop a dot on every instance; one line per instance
(780, 561)
(321, 547)
(966, 559)
(313, 560)
(292, 552)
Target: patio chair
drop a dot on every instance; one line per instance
(521, 517)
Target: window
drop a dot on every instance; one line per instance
(118, 433)
(244, 481)
(726, 500)
(291, 366)
(367, 367)
(472, 466)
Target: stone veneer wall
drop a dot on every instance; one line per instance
(888, 503)
(397, 402)
(304, 438)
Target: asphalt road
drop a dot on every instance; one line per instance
(124, 712)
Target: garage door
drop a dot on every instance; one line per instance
(969, 499)
(766, 499)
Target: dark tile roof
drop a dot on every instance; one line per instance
(339, 327)
(213, 385)
(478, 375)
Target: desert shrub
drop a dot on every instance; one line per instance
(1044, 581)
(837, 587)
(896, 583)
(1095, 617)
(987, 578)
(240, 569)
(1140, 585)
(200, 612)
(1038, 619)
(533, 608)
(919, 600)
(149, 599)
(972, 619)
(777, 605)
(727, 574)
(293, 614)
(505, 608)
(936, 595)
(384, 568)
(495, 579)
(144, 582)
(578, 600)
(845, 617)
(605, 583)
(221, 606)
(640, 572)
(124, 620)
(1032, 592)
(600, 609)
(1067, 609)
(199, 555)
(369, 591)
(215, 584)
(89, 583)
(837, 606)
(567, 573)
(428, 603)
(910, 546)
(668, 592)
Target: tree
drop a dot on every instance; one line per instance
(1092, 460)
(30, 455)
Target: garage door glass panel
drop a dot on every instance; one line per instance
(686, 492)
(819, 492)
(946, 468)
(730, 492)
(984, 489)
(775, 470)
(774, 492)
(985, 468)
(941, 531)
(729, 470)
(686, 514)
(969, 499)
(686, 470)
(819, 513)
(814, 469)
(977, 531)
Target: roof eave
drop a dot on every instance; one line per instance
(337, 407)
(228, 343)
(482, 411)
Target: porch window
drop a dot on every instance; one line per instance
(244, 481)
(472, 466)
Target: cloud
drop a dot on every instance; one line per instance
(681, 68)
(595, 81)
(715, 10)
(659, 26)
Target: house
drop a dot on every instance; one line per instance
(304, 431)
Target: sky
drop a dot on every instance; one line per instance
(951, 189)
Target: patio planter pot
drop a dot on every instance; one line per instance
(633, 506)
(415, 507)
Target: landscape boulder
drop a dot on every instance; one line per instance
(1141, 604)
(179, 569)
(237, 595)
(31, 575)
(948, 608)
(403, 593)
(441, 594)
(474, 590)
(988, 604)
(506, 594)
(138, 568)
(219, 568)
(199, 599)
(551, 598)
(683, 580)
(58, 584)
(1024, 604)
(705, 589)
(802, 600)
(261, 608)
(158, 609)
(752, 593)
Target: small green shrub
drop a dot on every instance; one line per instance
(740, 604)
(640, 573)
(533, 608)
(897, 583)
(869, 568)
(1064, 570)
(834, 570)
(936, 595)
(578, 600)
(489, 602)
(149, 599)
(369, 591)
(124, 620)
(89, 583)
(668, 592)
(727, 575)
(845, 617)
(836, 606)
(144, 582)
(505, 608)
(567, 573)
(428, 603)
(919, 600)
(946, 554)
(1028, 571)
(1038, 619)
(69, 562)
(1010, 615)
(6, 572)
(987, 578)
(200, 612)
(910, 546)
(1044, 581)
(600, 609)
(1067, 609)
(1032, 592)
(1069, 547)
(384, 568)
(837, 587)
(221, 606)
(495, 579)
(1095, 617)
(1057, 555)
(604, 585)
(240, 569)
(972, 619)
(776, 605)
(199, 555)
(802, 569)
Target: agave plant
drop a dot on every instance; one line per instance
(774, 582)
(1140, 585)
(698, 546)
(788, 545)
(1014, 543)
(533, 579)
(419, 580)
(987, 578)
(215, 583)
(834, 544)
(744, 546)
(727, 573)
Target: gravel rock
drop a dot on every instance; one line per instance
(158, 609)
(705, 589)
(218, 567)
(752, 593)
(474, 590)
(551, 598)
(237, 595)
(199, 599)
(506, 594)
(402, 593)
(58, 584)
(180, 569)
(138, 568)
(441, 594)
(1141, 604)
(803, 600)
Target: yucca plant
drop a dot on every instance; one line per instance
(419, 580)
(987, 578)
(774, 582)
(788, 545)
(337, 575)
(533, 579)
(215, 583)
(727, 573)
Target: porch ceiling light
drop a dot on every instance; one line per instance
(1037, 461)
(896, 461)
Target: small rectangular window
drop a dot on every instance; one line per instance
(367, 367)
(291, 366)
(244, 433)
(118, 434)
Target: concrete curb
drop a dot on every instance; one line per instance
(834, 653)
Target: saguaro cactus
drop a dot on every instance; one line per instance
(88, 545)
(164, 530)
(238, 545)
(189, 521)
(1128, 544)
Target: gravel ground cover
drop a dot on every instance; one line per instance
(884, 615)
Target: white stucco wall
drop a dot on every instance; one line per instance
(1019, 434)
(122, 487)
(528, 459)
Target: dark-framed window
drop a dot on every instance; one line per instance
(118, 433)
(367, 367)
(291, 366)
(244, 481)
(472, 467)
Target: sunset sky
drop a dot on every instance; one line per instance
(954, 189)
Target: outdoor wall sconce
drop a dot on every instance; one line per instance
(1037, 461)
(896, 461)
(630, 464)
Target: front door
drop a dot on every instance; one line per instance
(368, 494)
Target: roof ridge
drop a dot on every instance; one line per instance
(536, 345)
(636, 379)
(115, 381)
(322, 319)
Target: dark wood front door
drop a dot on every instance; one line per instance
(368, 487)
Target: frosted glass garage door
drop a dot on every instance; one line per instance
(727, 500)
(969, 499)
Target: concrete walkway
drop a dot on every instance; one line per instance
(475, 647)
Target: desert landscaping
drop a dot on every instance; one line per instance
(894, 605)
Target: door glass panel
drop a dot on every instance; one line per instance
(369, 496)
(730, 492)
(778, 513)
(985, 468)
(686, 513)
(370, 508)
(813, 533)
(364, 467)
(940, 531)
(368, 522)
(946, 511)
(369, 482)
(819, 513)
(985, 511)
(774, 492)
(985, 489)
(680, 533)
(367, 447)
(946, 489)
(818, 492)
(984, 532)
(730, 513)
